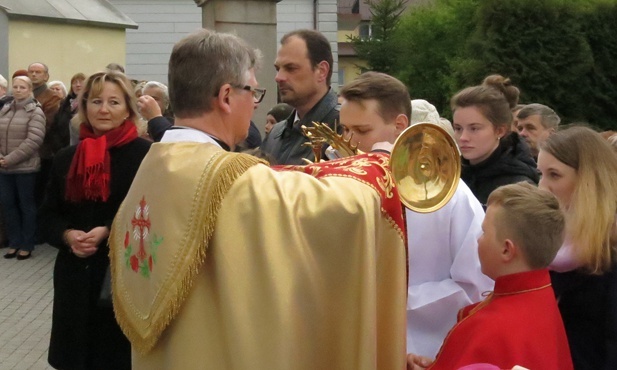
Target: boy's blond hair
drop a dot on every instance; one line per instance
(532, 219)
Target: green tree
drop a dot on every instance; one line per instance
(431, 40)
(538, 44)
(600, 27)
(558, 52)
(379, 50)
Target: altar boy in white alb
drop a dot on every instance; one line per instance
(444, 268)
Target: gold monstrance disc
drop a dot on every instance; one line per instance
(426, 166)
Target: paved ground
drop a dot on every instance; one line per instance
(26, 294)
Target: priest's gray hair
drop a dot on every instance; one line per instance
(201, 63)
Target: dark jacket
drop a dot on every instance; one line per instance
(61, 138)
(50, 104)
(158, 125)
(85, 335)
(252, 141)
(510, 163)
(588, 306)
(286, 140)
(5, 100)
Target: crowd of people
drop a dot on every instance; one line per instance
(226, 251)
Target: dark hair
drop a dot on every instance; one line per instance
(280, 111)
(495, 98)
(115, 67)
(391, 94)
(200, 64)
(318, 47)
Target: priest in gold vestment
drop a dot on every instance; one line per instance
(220, 262)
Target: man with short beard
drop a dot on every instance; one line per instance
(304, 71)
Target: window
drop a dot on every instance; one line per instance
(365, 31)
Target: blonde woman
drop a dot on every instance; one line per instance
(87, 184)
(580, 168)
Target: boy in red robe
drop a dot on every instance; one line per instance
(519, 323)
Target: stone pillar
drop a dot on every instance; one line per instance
(326, 22)
(255, 22)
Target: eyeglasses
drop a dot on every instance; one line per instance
(258, 94)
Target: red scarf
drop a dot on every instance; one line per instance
(88, 177)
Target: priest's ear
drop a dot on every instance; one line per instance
(222, 98)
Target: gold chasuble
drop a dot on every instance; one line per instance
(220, 262)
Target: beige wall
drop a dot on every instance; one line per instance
(349, 65)
(66, 49)
(342, 35)
(255, 22)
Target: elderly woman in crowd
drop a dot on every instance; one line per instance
(87, 185)
(22, 129)
(580, 168)
(4, 88)
(154, 107)
(492, 154)
(58, 88)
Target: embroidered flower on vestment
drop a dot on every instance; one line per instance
(144, 259)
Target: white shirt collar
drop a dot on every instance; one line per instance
(187, 134)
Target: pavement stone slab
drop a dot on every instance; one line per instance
(26, 295)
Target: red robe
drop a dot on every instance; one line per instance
(518, 324)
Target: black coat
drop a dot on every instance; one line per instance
(85, 335)
(157, 127)
(62, 124)
(510, 163)
(252, 141)
(588, 306)
(286, 140)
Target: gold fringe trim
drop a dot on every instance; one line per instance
(225, 168)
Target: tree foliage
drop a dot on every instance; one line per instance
(431, 40)
(558, 52)
(378, 50)
(538, 44)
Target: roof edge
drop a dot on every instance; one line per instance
(86, 22)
